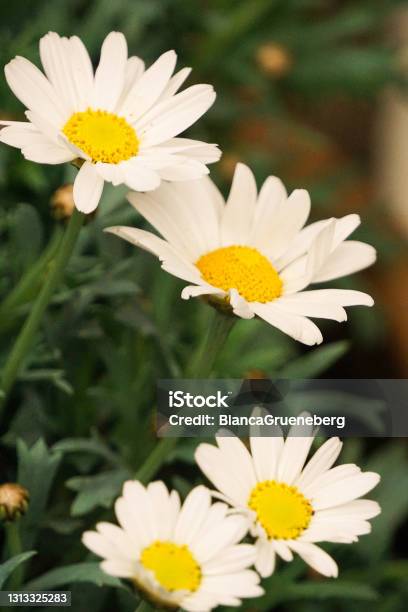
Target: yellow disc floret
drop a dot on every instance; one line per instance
(282, 510)
(242, 268)
(104, 136)
(173, 566)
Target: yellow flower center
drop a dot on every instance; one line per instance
(242, 268)
(104, 136)
(281, 510)
(173, 566)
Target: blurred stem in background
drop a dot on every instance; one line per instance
(199, 367)
(29, 284)
(14, 548)
(144, 606)
(25, 338)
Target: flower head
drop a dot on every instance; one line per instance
(184, 556)
(253, 252)
(13, 501)
(290, 505)
(121, 121)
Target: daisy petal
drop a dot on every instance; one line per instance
(317, 558)
(110, 74)
(299, 328)
(239, 209)
(88, 188)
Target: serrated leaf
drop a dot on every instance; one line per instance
(94, 491)
(86, 445)
(7, 568)
(316, 361)
(77, 572)
(37, 467)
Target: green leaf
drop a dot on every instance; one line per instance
(94, 491)
(330, 589)
(316, 361)
(37, 467)
(77, 572)
(86, 445)
(9, 566)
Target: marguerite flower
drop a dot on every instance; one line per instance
(290, 505)
(180, 556)
(253, 251)
(122, 120)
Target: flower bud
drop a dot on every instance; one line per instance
(13, 501)
(62, 202)
(274, 59)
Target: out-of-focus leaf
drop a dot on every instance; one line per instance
(87, 445)
(316, 361)
(94, 491)
(7, 568)
(37, 467)
(78, 572)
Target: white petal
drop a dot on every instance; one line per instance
(348, 258)
(321, 461)
(358, 508)
(121, 569)
(290, 217)
(110, 74)
(265, 453)
(184, 214)
(68, 66)
(295, 304)
(266, 558)
(348, 489)
(239, 584)
(183, 169)
(293, 457)
(88, 188)
(175, 83)
(240, 306)
(192, 515)
(232, 559)
(299, 328)
(317, 558)
(173, 116)
(282, 549)
(172, 261)
(212, 463)
(223, 535)
(35, 91)
(147, 89)
(196, 290)
(271, 197)
(240, 207)
(237, 456)
(139, 177)
(342, 297)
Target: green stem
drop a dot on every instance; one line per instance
(26, 288)
(200, 366)
(144, 606)
(33, 321)
(14, 548)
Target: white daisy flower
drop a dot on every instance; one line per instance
(185, 556)
(122, 120)
(253, 251)
(291, 505)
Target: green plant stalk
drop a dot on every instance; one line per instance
(144, 606)
(14, 548)
(29, 283)
(200, 367)
(26, 336)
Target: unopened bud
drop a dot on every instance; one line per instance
(274, 59)
(62, 202)
(13, 501)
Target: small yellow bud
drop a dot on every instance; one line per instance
(13, 501)
(62, 202)
(274, 59)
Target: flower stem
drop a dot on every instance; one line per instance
(200, 367)
(25, 338)
(14, 548)
(144, 606)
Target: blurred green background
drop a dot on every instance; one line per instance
(299, 87)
